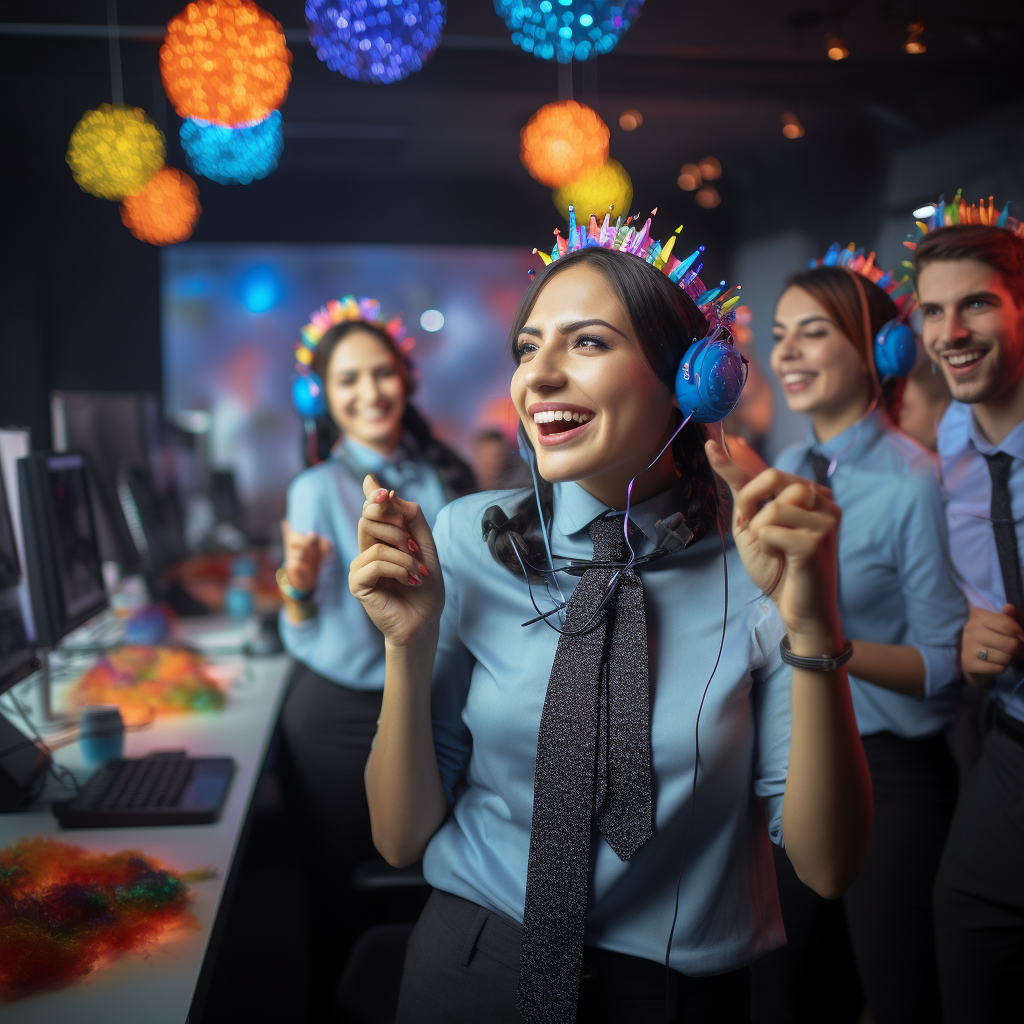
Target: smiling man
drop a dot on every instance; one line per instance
(971, 288)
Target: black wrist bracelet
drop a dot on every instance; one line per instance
(825, 664)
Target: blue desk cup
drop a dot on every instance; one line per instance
(101, 734)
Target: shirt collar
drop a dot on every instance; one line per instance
(370, 460)
(962, 432)
(576, 509)
(851, 443)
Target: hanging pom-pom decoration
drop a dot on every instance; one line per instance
(225, 61)
(233, 156)
(567, 30)
(603, 189)
(381, 41)
(114, 151)
(562, 142)
(165, 211)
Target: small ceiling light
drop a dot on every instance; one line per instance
(432, 320)
(924, 212)
(914, 43)
(791, 126)
(708, 197)
(630, 120)
(836, 48)
(710, 168)
(689, 177)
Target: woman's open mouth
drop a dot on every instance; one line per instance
(558, 423)
(795, 381)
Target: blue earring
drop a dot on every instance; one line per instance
(710, 380)
(895, 350)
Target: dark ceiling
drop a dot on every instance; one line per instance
(435, 158)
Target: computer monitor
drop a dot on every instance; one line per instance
(61, 550)
(16, 443)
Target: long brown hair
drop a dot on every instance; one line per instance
(845, 296)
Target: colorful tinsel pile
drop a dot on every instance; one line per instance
(66, 912)
(143, 681)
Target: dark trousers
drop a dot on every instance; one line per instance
(979, 892)
(325, 733)
(462, 967)
(888, 909)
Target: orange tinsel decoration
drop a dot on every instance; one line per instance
(562, 142)
(225, 61)
(165, 211)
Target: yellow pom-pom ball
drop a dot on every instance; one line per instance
(225, 61)
(165, 211)
(563, 141)
(608, 186)
(114, 151)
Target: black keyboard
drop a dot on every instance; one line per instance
(165, 788)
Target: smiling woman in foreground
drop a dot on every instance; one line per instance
(545, 765)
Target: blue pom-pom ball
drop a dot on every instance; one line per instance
(308, 396)
(233, 156)
(567, 30)
(380, 41)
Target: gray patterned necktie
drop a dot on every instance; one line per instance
(593, 765)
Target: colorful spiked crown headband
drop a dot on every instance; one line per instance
(717, 304)
(943, 215)
(897, 283)
(307, 388)
(712, 372)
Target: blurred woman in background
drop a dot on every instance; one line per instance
(900, 606)
(334, 699)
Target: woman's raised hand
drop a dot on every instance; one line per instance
(396, 576)
(786, 530)
(304, 553)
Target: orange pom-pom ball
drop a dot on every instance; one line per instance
(562, 142)
(165, 211)
(225, 61)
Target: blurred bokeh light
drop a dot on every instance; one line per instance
(380, 41)
(233, 156)
(225, 62)
(114, 151)
(607, 187)
(567, 30)
(165, 211)
(562, 142)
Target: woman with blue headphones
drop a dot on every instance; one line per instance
(595, 720)
(841, 350)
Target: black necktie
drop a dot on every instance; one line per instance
(820, 464)
(1003, 527)
(593, 764)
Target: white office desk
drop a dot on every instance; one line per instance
(157, 986)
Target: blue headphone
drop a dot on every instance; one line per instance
(710, 379)
(895, 350)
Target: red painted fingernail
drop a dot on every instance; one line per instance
(739, 519)
(423, 569)
(414, 580)
(413, 546)
(380, 495)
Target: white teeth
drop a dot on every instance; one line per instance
(962, 358)
(553, 415)
(796, 378)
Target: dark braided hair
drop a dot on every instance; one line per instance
(456, 477)
(666, 322)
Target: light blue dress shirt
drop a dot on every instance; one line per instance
(342, 643)
(968, 489)
(896, 582)
(490, 679)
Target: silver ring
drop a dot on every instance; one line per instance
(982, 655)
